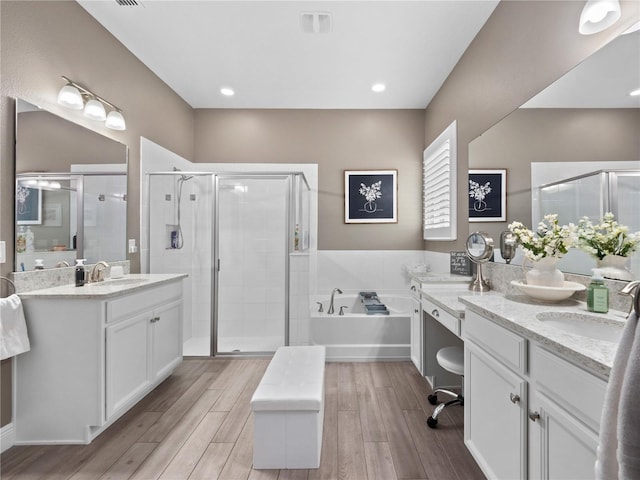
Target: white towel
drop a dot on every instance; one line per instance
(618, 454)
(13, 328)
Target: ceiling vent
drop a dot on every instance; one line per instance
(129, 3)
(315, 22)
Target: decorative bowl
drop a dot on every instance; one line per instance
(549, 294)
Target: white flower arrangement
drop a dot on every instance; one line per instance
(606, 238)
(371, 193)
(479, 192)
(550, 240)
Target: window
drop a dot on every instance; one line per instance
(439, 187)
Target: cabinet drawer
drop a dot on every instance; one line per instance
(579, 392)
(144, 300)
(445, 318)
(506, 346)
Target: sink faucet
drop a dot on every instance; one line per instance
(331, 309)
(97, 274)
(633, 290)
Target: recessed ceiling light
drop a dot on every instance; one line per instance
(378, 87)
(635, 93)
(227, 92)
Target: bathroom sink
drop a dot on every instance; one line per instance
(585, 325)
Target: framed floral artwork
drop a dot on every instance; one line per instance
(371, 196)
(488, 195)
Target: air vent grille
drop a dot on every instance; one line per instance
(129, 3)
(315, 22)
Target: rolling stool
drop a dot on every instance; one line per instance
(452, 360)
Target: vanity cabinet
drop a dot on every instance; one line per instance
(92, 359)
(528, 412)
(495, 426)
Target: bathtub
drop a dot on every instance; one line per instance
(358, 336)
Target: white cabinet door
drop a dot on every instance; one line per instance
(416, 336)
(166, 338)
(127, 361)
(561, 447)
(495, 415)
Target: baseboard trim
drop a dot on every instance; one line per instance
(7, 437)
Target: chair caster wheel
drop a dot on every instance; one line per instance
(432, 422)
(433, 399)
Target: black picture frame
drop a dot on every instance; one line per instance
(371, 196)
(28, 205)
(487, 190)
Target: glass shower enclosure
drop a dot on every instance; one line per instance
(232, 233)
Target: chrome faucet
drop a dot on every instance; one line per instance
(331, 309)
(97, 274)
(633, 290)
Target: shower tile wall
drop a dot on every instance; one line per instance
(299, 299)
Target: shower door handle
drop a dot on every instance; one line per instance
(218, 266)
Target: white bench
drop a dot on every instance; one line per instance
(288, 408)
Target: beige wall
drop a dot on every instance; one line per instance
(551, 135)
(336, 140)
(42, 41)
(523, 47)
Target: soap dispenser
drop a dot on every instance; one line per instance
(80, 272)
(597, 293)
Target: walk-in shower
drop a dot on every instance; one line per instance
(233, 234)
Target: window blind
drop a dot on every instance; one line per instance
(439, 187)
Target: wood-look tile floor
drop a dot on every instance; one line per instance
(198, 425)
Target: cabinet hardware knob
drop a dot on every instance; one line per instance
(413, 287)
(435, 313)
(514, 398)
(416, 310)
(534, 416)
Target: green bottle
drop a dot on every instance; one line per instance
(597, 293)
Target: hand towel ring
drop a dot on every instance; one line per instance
(11, 287)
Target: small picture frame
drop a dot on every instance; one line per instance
(371, 196)
(28, 205)
(488, 195)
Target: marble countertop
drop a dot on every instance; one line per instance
(102, 290)
(518, 314)
(439, 277)
(447, 296)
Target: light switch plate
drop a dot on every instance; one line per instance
(132, 245)
(3, 251)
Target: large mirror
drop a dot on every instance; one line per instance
(71, 192)
(583, 124)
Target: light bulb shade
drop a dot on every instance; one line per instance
(69, 96)
(115, 121)
(95, 110)
(598, 15)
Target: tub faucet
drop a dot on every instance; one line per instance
(331, 309)
(97, 274)
(633, 290)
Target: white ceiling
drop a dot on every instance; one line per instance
(258, 49)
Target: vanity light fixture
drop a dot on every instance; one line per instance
(227, 92)
(378, 87)
(598, 15)
(633, 28)
(74, 96)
